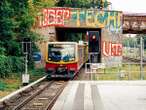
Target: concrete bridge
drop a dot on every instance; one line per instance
(114, 21)
(134, 23)
(54, 23)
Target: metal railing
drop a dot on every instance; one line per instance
(122, 71)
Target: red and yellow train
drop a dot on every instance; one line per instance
(65, 59)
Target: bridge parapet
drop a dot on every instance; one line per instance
(81, 18)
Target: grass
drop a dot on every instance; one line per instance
(36, 74)
(13, 82)
(9, 85)
(125, 72)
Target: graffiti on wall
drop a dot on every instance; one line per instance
(111, 49)
(54, 17)
(72, 17)
(134, 23)
(96, 18)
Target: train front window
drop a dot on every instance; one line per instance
(61, 52)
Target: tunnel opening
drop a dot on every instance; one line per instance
(73, 34)
(77, 34)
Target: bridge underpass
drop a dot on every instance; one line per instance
(111, 23)
(65, 33)
(132, 23)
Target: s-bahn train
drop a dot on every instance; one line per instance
(65, 59)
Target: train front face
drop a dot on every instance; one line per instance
(61, 60)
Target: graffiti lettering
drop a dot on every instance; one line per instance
(134, 23)
(112, 49)
(68, 17)
(96, 18)
(54, 17)
(101, 19)
(90, 18)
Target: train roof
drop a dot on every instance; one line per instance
(75, 43)
(62, 43)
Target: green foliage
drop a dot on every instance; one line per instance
(13, 48)
(17, 18)
(35, 6)
(16, 21)
(6, 21)
(83, 3)
(136, 40)
(16, 63)
(144, 39)
(4, 67)
(9, 84)
(43, 3)
(130, 42)
(2, 49)
(10, 65)
(36, 74)
(2, 86)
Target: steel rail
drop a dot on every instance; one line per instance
(27, 100)
(134, 59)
(21, 90)
(50, 105)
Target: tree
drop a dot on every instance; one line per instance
(6, 21)
(16, 21)
(130, 42)
(144, 39)
(17, 18)
(36, 6)
(83, 3)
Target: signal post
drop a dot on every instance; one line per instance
(26, 49)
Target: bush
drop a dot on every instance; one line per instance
(2, 50)
(16, 63)
(10, 64)
(4, 70)
(2, 86)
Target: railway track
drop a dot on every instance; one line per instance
(44, 99)
(133, 59)
(38, 97)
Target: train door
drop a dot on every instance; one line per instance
(94, 46)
